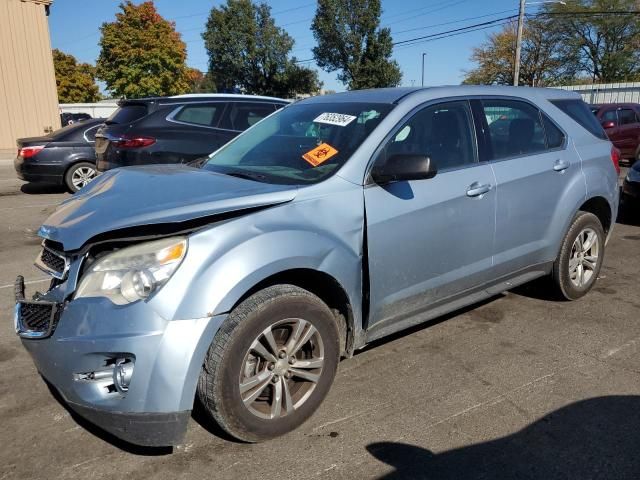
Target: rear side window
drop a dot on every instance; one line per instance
(579, 111)
(610, 116)
(127, 114)
(627, 116)
(204, 115)
(245, 115)
(555, 137)
(90, 134)
(515, 128)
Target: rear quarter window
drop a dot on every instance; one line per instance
(581, 114)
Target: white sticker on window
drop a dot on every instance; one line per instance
(339, 119)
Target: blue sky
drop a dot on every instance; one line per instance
(74, 28)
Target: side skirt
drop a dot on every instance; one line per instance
(456, 302)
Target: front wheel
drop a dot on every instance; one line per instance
(580, 259)
(79, 175)
(271, 363)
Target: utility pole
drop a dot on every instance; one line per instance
(423, 55)
(516, 70)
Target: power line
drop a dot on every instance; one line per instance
(454, 21)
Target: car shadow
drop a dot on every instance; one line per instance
(596, 438)
(42, 188)
(629, 213)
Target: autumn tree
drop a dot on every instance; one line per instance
(201, 82)
(543, 57)
(142, 54)
(602, 46)
(248, 51)
(75, 81)
(351, 42)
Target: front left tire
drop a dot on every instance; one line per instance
(271, 363)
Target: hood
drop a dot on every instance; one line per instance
(138, 196)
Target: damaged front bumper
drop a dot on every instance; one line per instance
(124, 368)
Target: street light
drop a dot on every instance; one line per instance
(423, 55)
(516, 70)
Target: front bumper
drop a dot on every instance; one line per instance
(80, 357)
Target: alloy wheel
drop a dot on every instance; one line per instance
(281, 368)
(82, 176)
(583, 260)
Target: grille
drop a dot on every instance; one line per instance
(52, 261)
(39, 317)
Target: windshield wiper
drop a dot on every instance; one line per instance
(247, 176)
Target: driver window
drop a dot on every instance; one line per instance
(442, 132)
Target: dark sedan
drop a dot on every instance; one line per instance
(64, 157)
(176, 129)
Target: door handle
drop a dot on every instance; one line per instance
(561, 165)
(476, 189)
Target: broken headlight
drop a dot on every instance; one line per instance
(133, 273)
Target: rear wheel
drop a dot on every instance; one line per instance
(79, 175)
(271, 363)
(580, 259)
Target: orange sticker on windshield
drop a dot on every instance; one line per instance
(320, 154)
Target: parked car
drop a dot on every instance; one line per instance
(67, 118)
(176, 129)
(336, 221)
(621, 121)
(631, 184)
(66, 156)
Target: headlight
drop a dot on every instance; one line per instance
(633, 175)
(133, 273)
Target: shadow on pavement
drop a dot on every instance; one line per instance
(597, 438)
(629, 213)
(42, 188)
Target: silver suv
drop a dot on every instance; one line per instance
(333, 222)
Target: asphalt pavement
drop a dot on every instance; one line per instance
(520, 386)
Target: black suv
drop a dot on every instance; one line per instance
(176, 129)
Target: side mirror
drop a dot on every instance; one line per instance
(608, 124)
(404, 167)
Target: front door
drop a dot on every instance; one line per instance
(429, 240)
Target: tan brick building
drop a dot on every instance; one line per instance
(28, 95)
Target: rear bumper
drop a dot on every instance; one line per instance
(33, 171)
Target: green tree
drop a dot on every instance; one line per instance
(603, 47)
(543, 57)
(351, 42)
(142, 54)
(75, 81)
(247, 51)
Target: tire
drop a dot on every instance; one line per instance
(577, 267)
(79, 175)
(232, 359)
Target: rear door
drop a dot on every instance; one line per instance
(429, 240)
(628, 131)
(532, 165)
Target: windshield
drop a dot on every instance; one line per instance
(299, 144)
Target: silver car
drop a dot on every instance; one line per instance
(331, 223)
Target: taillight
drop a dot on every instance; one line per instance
(28, 152)
(615, 158)
(133, 142)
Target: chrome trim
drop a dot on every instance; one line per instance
(84, 135)
(41, 265)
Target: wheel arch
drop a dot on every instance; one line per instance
(599, 206)
(325, 287)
